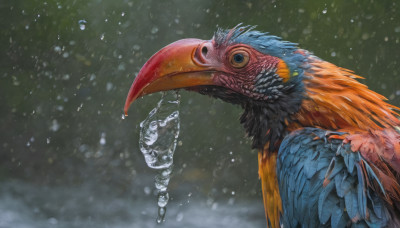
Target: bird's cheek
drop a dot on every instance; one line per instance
(227, 81)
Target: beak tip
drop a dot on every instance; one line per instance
(126, 108)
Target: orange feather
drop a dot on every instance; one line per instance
(270, 188)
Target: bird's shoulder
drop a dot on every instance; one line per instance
(334, 179)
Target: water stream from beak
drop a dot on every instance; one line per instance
(158, 137)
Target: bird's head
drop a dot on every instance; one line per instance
(258, 71)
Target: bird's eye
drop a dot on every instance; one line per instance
(239, 58)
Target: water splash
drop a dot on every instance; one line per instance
(158, 138)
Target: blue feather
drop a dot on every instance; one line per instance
(323, 212)
(337, 218)
(294, 148)
(352, 205)
(345, 200)
(361, 193)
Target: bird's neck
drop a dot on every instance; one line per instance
(267, 122)
(335, 100)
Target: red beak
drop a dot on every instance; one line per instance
(178, 65)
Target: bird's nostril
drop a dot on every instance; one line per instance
(200, 55)
(204, 51)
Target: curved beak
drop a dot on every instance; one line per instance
(178, 65)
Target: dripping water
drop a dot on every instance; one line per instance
(158, 137)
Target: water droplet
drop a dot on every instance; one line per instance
(154, 30)
(109, 86)
(147, 190)
(136, 47)
(179, 217)
(163, 198)
(15, 81)
(161, 214)
(82, 24)
(66, 77)
(103, 139)
(57, 49)
(54, 126)
(365, 36)
(121, 67)
(92, 77)
(52, 221)
(79, 107)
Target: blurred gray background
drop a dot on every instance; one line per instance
(68, 159)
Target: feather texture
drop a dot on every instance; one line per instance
(335, 100)
(346, 198)
(270, 190)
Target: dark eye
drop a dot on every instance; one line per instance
(239, 58)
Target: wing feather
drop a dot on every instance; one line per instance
(327, 184)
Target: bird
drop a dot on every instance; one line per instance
(328, 147)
